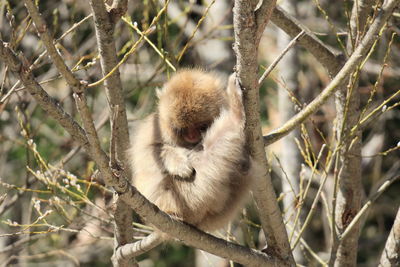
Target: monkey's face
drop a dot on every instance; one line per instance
(191, 135)
(188, 104)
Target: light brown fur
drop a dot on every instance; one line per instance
(202, 185)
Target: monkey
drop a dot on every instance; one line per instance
(189, 157)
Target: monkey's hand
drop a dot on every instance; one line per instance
(235, 96)
(176, 161)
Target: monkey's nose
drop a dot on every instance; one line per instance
(192, 135)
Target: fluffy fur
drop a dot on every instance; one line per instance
(203, 185)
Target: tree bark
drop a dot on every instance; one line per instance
(249, 24)
(350, 192)
(391, 252)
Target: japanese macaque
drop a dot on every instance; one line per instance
(189, 157)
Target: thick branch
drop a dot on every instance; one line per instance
(391, 252)
(104, 24)
(191, 236)
(118, 9)
(108, 59)
(138, 248)
(348, 199)
(262, 16)
(246, 27)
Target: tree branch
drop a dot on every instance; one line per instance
(113, 86)
(104, 24)
(247, 28)
(262, 16)
(348, 198)
(271, 67)
(191, 236)
(48, 41)
(135, 249)
(391, 252)
(385, 185)
(118, 9)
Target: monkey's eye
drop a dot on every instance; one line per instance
(203, 127)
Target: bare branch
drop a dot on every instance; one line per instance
(358, 21)
(118, 9)
(139, 247)
(95, 150)
(113, 85)
(246, 46)
(191, 236)
(123, 231)
(281, 55)
(104, 24)
(48, 41)
(385, 185)
(390, 254)
(348, 198)
(263, 15)
(94, 147)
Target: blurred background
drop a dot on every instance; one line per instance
(55, 210)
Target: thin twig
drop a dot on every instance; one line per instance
(367, 205)
(48, 41)
(281, 55)
(330, 59)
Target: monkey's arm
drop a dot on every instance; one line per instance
(223, 145)
(228, 129)
(221, 177)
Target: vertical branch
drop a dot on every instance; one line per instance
(248, 27)
(391, 252)
(348, 201)
(358, 22)
(105, 23)
(104, 32)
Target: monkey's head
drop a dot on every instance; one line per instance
(188, 104)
